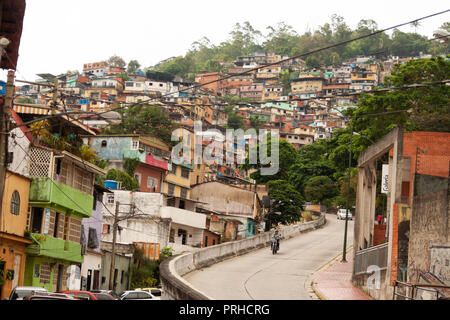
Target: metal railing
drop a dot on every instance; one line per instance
(376, 255)
(410, 291)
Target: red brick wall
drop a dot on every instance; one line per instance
(211, 236)
(148, 171)
(379, 232)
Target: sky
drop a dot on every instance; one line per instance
(63, 35)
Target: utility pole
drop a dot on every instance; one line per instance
(5, 115)
(112, 283)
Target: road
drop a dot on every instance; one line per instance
(259, 275)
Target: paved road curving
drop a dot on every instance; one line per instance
(259, 275)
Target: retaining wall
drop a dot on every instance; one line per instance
(172, 269)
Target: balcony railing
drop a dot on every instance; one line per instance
(376, 255)
(47, 193)
(44, 245)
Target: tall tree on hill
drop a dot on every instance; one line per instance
(133, 66)
(144, 119)
(116, 61)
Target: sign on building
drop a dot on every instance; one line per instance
(385, 179)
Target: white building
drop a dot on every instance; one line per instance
(154, 218)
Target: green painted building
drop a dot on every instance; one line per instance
(61, 195)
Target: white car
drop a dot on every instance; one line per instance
(342, 212)
(22, 291)
(137, 295)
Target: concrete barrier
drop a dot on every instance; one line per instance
(173, 269)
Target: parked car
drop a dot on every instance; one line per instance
(81, 295)
(20, 292)
(156, 292)
(103, 296)
(342, 212)
(137, 295)
(110, 292)
(49, 296)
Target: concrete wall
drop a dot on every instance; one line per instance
(430, 229)
(225, 198)
(172, 270)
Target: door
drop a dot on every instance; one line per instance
(17, 260)
(96, 283)
(89, 278)
(60, 277)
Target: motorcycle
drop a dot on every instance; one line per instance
(275, 246)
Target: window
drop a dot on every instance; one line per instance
(134, 145)
(93, 239)
(185, 173)
(122, 276)
(104, 143)
(106, 228)
(110, 198)
(174, 169)
(138, 177)
(152, 183)
(15, 203)
(171, 189)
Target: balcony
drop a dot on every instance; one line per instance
(184, 217)
(45, 192)
(47, 246)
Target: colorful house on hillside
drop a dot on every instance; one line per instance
(151, 153)
(13, 240)
(61, 195)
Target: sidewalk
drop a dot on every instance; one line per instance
(333, 282)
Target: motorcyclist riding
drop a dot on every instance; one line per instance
(276, 239)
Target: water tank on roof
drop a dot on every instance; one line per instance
(111, 184)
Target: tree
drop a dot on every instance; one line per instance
(235, 121)
(133, 66)
(320, 189)
(287, 157)
(312, 62)
(143, 271)
(116, 61)
(128, 182)
(256, 122)
(25, 100)
(425, 108)
(144, 119)
(286, 203)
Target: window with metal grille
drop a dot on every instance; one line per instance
(185, 173)
(171, 189)
(15, 203)
(183, 192)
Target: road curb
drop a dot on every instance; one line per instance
(314, 293)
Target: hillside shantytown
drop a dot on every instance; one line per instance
(92, 199)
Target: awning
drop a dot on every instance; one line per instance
(30, 110)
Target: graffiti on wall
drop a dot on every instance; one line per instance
(440, 263)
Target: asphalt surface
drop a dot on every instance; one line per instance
(260, 275)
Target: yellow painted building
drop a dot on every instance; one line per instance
(307, 85)
(13, 222)
(178, 179)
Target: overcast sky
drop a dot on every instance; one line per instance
(63, 35)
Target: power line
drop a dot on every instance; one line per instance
(275, 63)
